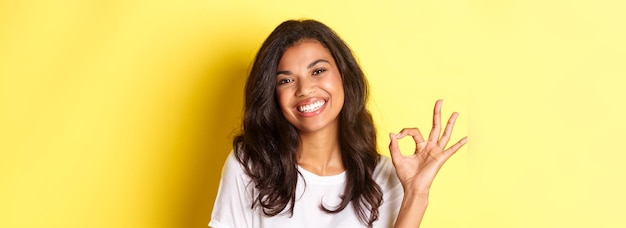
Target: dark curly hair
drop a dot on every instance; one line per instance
(266, 146)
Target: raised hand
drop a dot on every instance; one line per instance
(417, 172)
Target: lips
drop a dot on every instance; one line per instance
(311, 107)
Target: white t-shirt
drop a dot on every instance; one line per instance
(232, 207)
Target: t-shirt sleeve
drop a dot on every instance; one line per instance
(232, 208)
(393, 193)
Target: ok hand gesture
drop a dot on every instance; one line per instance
(416, 172)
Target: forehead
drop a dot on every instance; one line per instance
(305, 52)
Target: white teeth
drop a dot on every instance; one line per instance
(311, 107)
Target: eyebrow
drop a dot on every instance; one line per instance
(308, 67)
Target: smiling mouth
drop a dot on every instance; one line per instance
(312, 107)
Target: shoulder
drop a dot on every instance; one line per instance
(233, 169)
(234, 183)
(234, 196)
(384, 167)
(393, 193)
(231, 161)
(385, 174)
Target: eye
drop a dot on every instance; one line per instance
(285, 81)
(319, 71)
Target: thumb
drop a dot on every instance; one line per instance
(394, 149)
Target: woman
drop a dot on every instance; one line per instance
(306, 156)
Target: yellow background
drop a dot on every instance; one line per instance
(119, 113)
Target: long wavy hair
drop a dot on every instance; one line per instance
(266, 146)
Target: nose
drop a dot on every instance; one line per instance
(306, 86)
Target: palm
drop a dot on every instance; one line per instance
(417, 172)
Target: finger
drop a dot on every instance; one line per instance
(448, 131)
(420, 147)
(394, 149)
(413, 132)
(434, 132)
(420, 144)
(454, 148)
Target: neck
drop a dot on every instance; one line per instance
(320, 153)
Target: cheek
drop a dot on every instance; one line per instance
(340, 91)
(341, 97)
(335, 88)
(282, 99)
(338, 86)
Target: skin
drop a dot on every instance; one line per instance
(417, 172)
(306, 74)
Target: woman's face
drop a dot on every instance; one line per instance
(309, 87)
